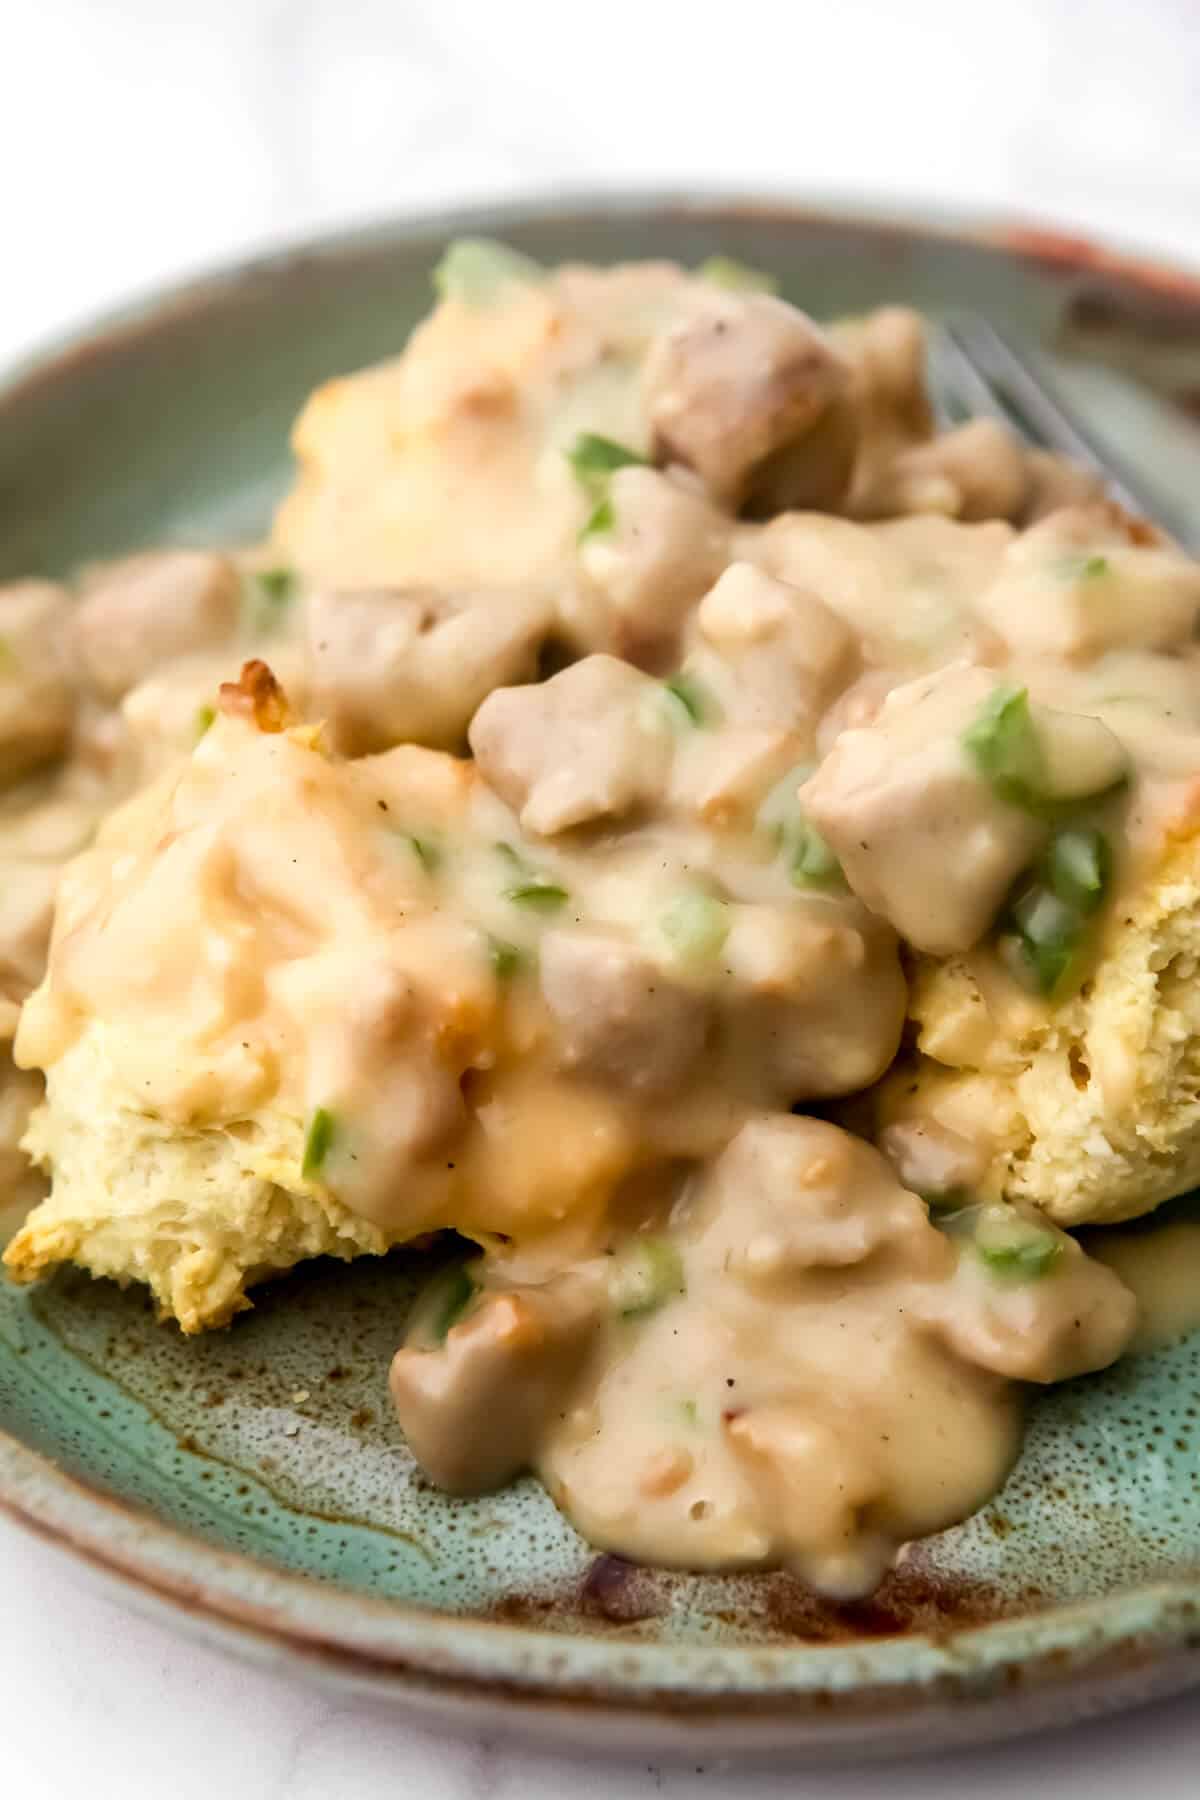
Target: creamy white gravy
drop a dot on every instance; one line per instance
(1161, 1269)
(831, 690)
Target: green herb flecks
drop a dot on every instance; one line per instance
(694, 927)
(506, 959)
(727, 272)
(1083, 568)
(1003, 744)
(267, 596)
(813, 863)
(451, 1300)
(1015, 1247)
(600, 520)
(477, 271)
(206, 717)
(1009, 1243)
(1079, 867)
(595, 458)
(532, 888)
(425, 851)
(279, 585)
(540, 894)
(647, 1272)
(317, 1142)
(810, 860)
(1043, 930)
(690, 701)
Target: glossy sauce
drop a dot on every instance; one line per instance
(1161, 1268)
(832, 695)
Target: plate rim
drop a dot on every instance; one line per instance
(908, 1691)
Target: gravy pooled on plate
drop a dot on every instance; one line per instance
(720, 846)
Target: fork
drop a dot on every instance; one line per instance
(979, 372)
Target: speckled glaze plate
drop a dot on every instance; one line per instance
(254, 1483)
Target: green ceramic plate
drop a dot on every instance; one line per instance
(254, 1482)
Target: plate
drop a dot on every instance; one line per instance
(253, 1483)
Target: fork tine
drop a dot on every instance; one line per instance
(959, 390)
(1030, 402)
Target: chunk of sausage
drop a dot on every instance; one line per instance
(1074, 586)
(813, 474)
(136, 614)
(789, 1193)
(1054, 483)
(722, 777)
(588, 744)
(930, 1158)
(976, 472)
(37, 702)
(885, 351)
(922, 836)
(1078, 1317)
(740, 379)
(412, 664)
(817, 996)
(474, 1410)
(618, 1017)
(665, 546)
(774, 653)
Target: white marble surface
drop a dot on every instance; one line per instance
(146, 137)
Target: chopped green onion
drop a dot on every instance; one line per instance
(205, 718)
(602, 518)
(945, 1200)
(813, 862)
(1078, 867)
(779, 811)
(690, 1412)
(1047, 936)
(1002, 742)
(532, 888)
(476, 271)
(1083, 568)
(277, 584)
(647, 1273)
(460, 1291)
(317, 1142)
(1012, 1245)
(1042, 916)
(513, 858)
(426, 853)
(695, 926)
(543, 895)
(505, 958)
(1008, 1242)
(726, 272)
(696, 703)
(268, 593)
(1044, 923)
(595, 458)
(441, 1304)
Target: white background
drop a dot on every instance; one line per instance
(140, 138)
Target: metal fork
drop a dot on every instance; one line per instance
(977, 371)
